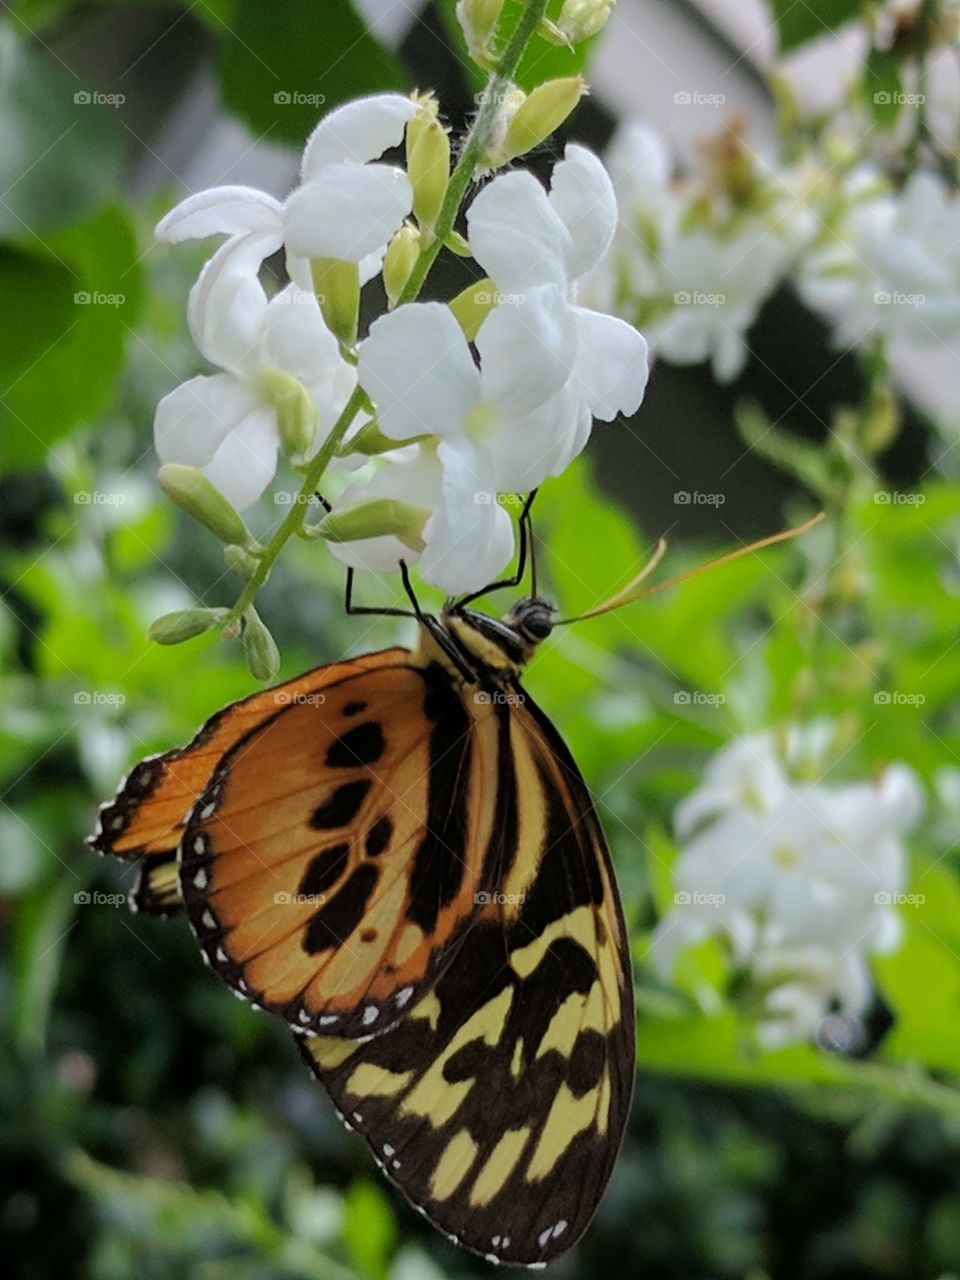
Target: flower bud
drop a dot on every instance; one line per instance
(539, 115)
(243, 564)
(473, 305)
(384, 517)
(174, 628)
(337, 286)
(193, 493)
(401, 258)
(296, 412)
(429, 172)
(578, 20)
(479, 19)
(259, 646)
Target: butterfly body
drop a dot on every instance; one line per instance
(398, 856)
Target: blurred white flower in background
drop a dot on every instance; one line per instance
(694, 271)
(800, 878)
(889, 262)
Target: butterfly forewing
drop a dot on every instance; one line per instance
(335, 858)
(144, 823)
(498, 1103)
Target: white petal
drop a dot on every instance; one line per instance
(582, 194)
(526, 351)
(359, 131)
(227, 304)
(246, 461)
(517, 236)
(417, 368)
(470, 538)
(412, 475)
(223, 211)
(524, 451)
(347, 211)
(612, 365)
(192, 421)
(296, 338)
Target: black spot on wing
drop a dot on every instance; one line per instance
(338, 918)
(378, 837)
(354, 708)
(361, 745)
(325, 870)
(342, 807)
(437, 872)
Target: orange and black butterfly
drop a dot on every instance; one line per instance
(398, 855)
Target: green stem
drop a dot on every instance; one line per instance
(295, 516)
(460, 179)
(476, 144)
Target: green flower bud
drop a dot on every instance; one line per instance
(259, 646)
(296, 412)
(193, 493)
(540, 114)
(337, 286)
(578, 20)
(478, 19)
(174, 628)
(241, 562)
(383, 517)
(429, 172)
(473, 305)
(401, 258)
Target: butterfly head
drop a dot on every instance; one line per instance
(497, 646)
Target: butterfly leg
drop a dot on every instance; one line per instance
(526, 547)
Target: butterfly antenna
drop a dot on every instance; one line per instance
(629, 594)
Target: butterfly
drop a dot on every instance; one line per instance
(398, 856)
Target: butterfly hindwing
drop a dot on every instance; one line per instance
(332, 864)
(498, 1103)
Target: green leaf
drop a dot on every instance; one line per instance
(801, 20)
(40, 929)
(285, 65)
(62, 341)
(369, 1230)
(883, 87)
(61, 152)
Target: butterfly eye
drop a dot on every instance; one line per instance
(535, 620)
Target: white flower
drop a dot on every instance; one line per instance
(346, 207)
(495, 425)
(800, 878)
(696, 288)
(890, 262)
(468, 537)
(226, 423)
(526, 239)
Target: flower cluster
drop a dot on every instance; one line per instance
(696, 257)
(449, 405)
(800, 879)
